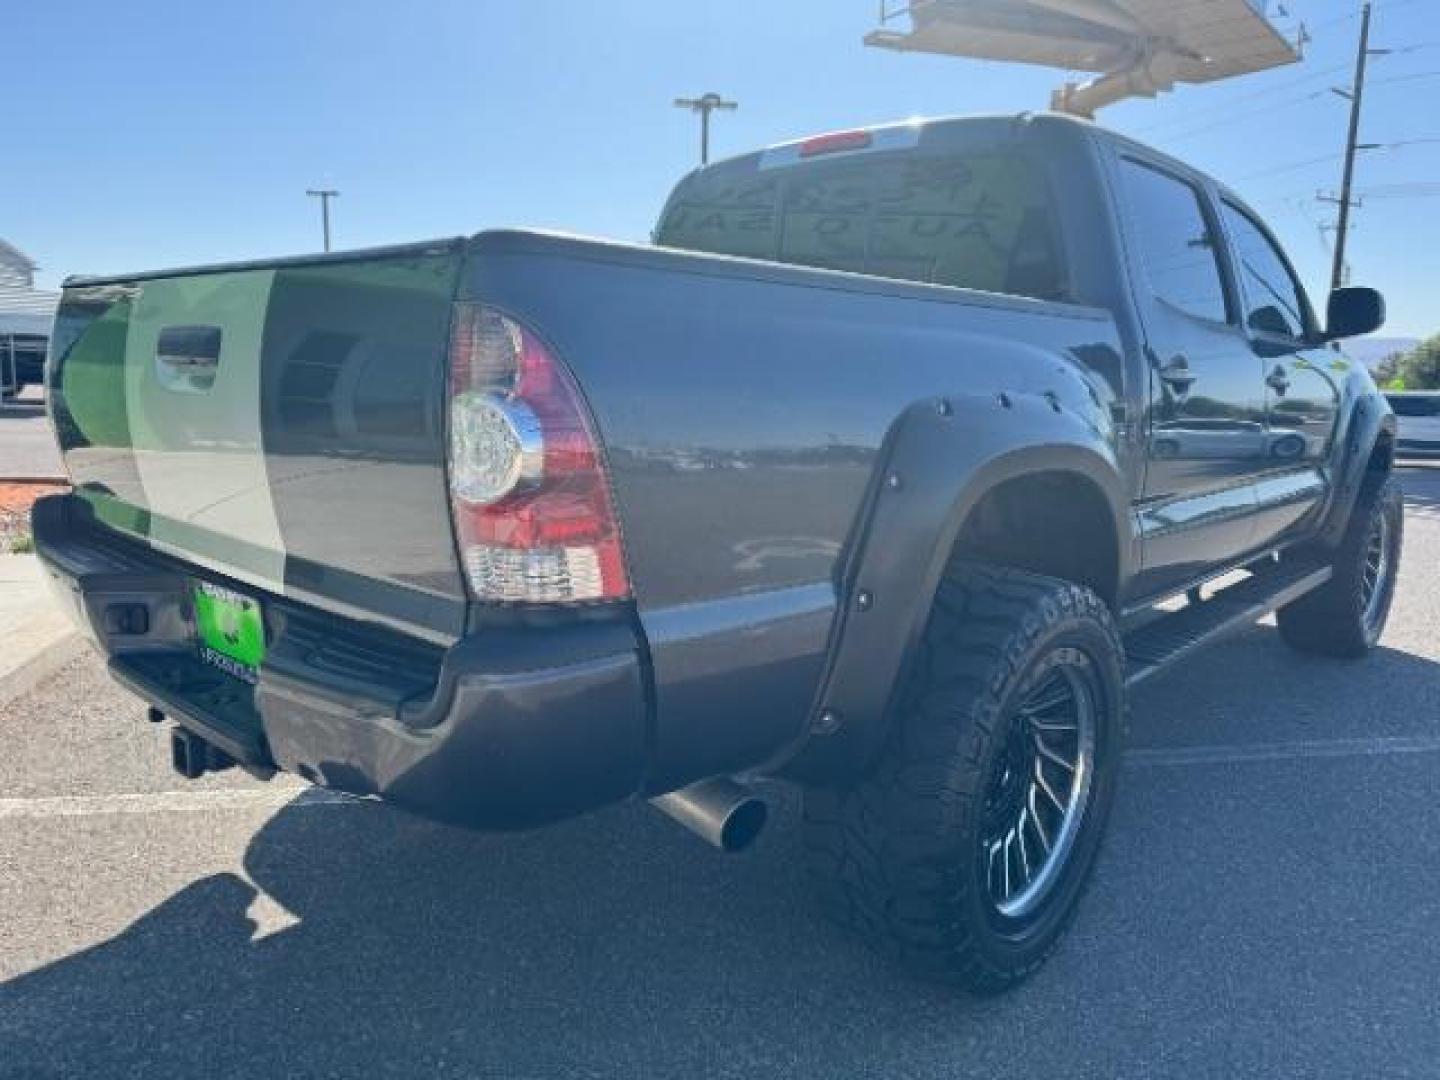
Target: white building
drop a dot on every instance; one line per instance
(26, 315)
(24, 309)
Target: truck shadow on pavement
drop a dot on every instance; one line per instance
(617, 945)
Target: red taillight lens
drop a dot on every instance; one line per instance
(528, 490)
(835, 142)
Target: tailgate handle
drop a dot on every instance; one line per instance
(186, 358)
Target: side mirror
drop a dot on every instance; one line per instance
(1353, 312)
(1271, 320)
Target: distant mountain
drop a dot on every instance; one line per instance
(1371, 350)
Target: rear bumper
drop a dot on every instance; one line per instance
(512, 726)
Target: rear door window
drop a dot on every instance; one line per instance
(1177, 247)
(978, 221)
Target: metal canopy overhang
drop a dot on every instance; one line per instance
(1138, 47)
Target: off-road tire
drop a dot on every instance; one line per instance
(1335, 620)
(896, 856)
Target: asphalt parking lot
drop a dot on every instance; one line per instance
(1267, 906)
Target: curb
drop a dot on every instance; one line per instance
(50, 659)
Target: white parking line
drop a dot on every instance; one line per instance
(1165, 757)
(154, 802)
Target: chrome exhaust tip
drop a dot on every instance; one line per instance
(721, 812)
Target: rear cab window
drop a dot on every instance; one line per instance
(980, 219)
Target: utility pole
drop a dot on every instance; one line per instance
(1352, 144)
(324, 195)
(705, 105)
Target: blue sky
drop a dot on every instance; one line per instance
(165, 133)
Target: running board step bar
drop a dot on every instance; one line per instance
(1159, 643)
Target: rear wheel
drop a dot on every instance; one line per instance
(1346, 616)
(965, 850)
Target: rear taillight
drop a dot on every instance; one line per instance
(533, 514)
(835, 142)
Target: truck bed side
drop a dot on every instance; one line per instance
(744, 407)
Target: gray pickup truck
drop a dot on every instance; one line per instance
(886, 470)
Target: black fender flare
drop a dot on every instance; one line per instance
(1368, 419)
(941, 458)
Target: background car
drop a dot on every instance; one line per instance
(1418, 412)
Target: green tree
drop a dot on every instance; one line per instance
(1387, 371)
(1420, 367)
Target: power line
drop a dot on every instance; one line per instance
(1410, 77)
(1229, 104)
(1420, 189)
(1381, 7)
(1229, 121)
(1421, 46)
(1389, 5)
(1336, 21)
(1293, 166)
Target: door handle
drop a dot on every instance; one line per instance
(1278, 380)
(1177, 374)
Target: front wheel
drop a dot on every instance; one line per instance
(966, 849)
(1346, 615)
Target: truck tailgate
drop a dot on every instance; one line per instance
(281, 424)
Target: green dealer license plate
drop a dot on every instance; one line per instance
(231, 630)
